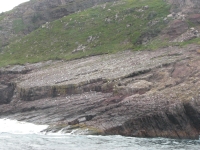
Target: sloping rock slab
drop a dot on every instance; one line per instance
(161, 98)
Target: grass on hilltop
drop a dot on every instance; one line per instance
(106, 28)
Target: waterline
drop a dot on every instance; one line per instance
(17, 127)
(15, 135)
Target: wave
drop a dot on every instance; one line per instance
(18, 127)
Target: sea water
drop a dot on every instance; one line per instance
(16, 135)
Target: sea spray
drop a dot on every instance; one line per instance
(15, 135)
(17, 127)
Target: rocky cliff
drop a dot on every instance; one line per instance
(142, 94)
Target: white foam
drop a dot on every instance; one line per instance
(59, 133)
(17, 127)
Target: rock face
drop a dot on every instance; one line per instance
(184, 13)
(176, 28)
(142, 94)
(6, 87)
(188, 6)
(195, 18)
(6, 93)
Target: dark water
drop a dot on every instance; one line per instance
(29, 139)
(75, 142)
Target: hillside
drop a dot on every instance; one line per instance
(105, 28)
(28, 16)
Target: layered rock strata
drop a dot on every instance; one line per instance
(142, 94)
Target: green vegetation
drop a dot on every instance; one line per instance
(18, 25)
(36, 17)
(195, 40)
(2, 16)
(107, 28)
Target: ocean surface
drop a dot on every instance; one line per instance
(16, 135)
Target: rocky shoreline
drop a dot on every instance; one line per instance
(141, 94)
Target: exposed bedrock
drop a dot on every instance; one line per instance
(122, 72)
(142, 94)
(173, 122)
(6, 93)
(6, 87)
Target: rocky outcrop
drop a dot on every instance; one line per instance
(6, 87)
(142, 94)
(187, 6)
(189, 35)
(99, 73)
(181, 2)
(194, 18)
(6, 93)
(184, 15)
(176, 28)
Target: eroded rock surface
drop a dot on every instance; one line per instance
(143, 94)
